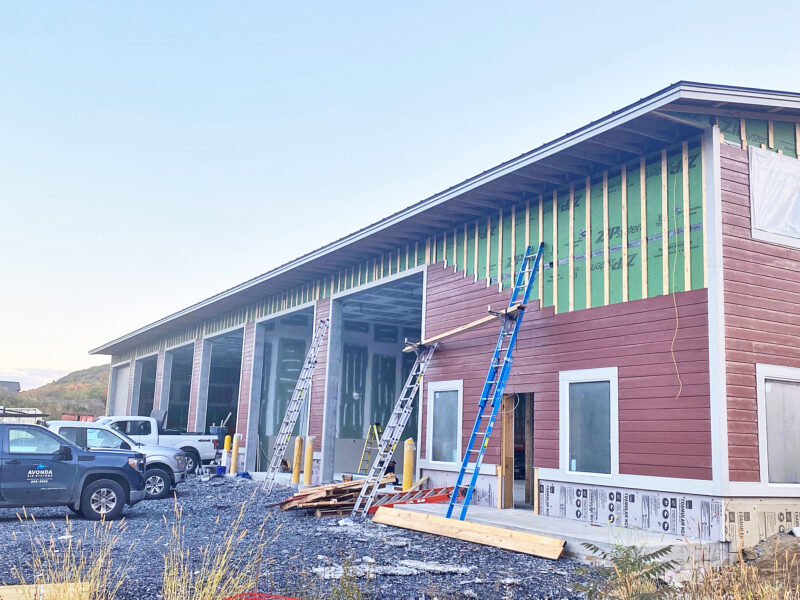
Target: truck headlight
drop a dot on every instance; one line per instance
(133, 463)
(180, 459)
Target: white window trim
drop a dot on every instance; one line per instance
(609, 374)
(764, 372)
(443, 386)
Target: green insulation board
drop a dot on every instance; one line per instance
(615, 237)
(633, 228)
(579, 248)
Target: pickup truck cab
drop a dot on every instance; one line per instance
(40, 468)
(164, 467)
(199, 448)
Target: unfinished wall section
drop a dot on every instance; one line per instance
(664, 420)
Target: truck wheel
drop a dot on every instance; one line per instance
(103, 498)
(157, 484)
(192, 460)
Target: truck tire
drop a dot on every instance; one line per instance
(157, 483)
(192, 460)
(102, 498)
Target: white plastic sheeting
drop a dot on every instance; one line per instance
(775, 196)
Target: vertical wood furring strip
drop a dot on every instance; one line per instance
(624, 196)
(527, 230)
(606, 262)
(499, 249)
(588, 241)
(643, 226)
(664, 227)
(444, 247)
(770, 135)
(555, 250)
(466, 230)
(743, 132)
(489, 248)
(513, 257)
(475, 252)
(797, 139)
(541, 238)
(703, 200)
(687, 246)
(571, 272)
(428, 251)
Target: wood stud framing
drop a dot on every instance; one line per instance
(555, 249)
(588, 240)
(687, 242)
(571, 273)
(664, 227)
(606, 291)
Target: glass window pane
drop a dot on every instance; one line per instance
(444, 428)
(69, 433)
(590, 427)
(782, 401)
(31, 441)
(100, 438)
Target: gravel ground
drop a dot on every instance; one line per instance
(305, 554)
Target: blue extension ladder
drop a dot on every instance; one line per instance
(499, 370)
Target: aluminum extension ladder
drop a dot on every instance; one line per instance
(394, 429)
(295, 405)
(499, 370)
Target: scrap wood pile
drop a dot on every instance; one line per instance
(330, 500)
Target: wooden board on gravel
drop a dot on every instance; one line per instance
(488, 535)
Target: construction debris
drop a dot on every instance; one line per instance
(499, 537)
(330, 500)
(429, 496)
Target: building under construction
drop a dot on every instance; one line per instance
(656, 381)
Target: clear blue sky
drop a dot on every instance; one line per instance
(153, 153)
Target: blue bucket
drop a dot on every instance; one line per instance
(220, 469)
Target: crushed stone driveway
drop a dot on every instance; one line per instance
(305, 556)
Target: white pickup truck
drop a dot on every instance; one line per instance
(199, 447)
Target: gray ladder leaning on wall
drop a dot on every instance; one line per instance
(295, 406)
(394, 429)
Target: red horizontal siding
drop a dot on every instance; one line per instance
(762, 322)
(662, 433)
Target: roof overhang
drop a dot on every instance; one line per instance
(639, 128)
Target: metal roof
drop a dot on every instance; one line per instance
(639, 128)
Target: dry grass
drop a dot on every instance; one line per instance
(221, 569)
(767, 580)
(63, 561)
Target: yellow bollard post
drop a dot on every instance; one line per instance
(409, 451)
(235, 454)
(308, 464)
(226, 449)
(298, 458)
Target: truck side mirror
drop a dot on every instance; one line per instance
(125, 446)
(65, 453)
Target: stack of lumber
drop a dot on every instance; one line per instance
(330, 500)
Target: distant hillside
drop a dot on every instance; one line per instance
(82, 392)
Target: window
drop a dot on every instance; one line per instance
(31, 441)
(100, 438)
(588, 421)
(444, 421)
(133, 427)
(779, 422)
(76, 435)
(775, 197)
